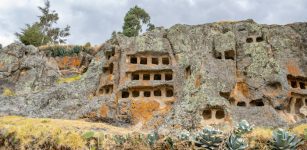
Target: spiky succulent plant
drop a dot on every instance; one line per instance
(283, 140)
(235, 142)
(152, 138)
(243, 127)
(208, 138)
(184, 135)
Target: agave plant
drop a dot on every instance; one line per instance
(152, 138)
(235, 142)
(119, 139)
(243, 127)
(283, 140)
(209, 138)
(184, 135)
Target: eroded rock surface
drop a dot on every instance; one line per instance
(184, 77)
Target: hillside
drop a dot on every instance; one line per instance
(168, 80)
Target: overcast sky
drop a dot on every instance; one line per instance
(94, 20)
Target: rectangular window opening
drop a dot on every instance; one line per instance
(168, 77)
(143, 61)
(157, 93)
(169, 93)
(133, 60)
(249, 40)
(101, 90)
(125, 94)
(155, 61)
(146, 76)
(165, 61)
(157, 77)
(136, 93)
(302, 85)
(135, 76)
(147, 94)
(217, 55)
(293, 84)
(188, 72)
(230, 54)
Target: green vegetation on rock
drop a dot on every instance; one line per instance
(42, 32)
(133, 19)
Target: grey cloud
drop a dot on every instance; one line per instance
(94, 21)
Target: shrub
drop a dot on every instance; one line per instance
(64, 50)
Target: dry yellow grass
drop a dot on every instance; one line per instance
(62, 124)
(8, 92)
(300, 130)
(35, 132)
(261, 133)
(69, 79)
(258, 138)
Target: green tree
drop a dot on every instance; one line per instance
(32, 35)
(133, 21)
(43, 29)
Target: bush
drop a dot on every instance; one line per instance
(64, 50)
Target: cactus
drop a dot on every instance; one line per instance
(243, 127)
(283, 140)
(152, 138)
(209, 138)
(235, 142)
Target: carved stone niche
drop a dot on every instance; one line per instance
(213, 115)
(297, 82)
(252, 39)
(297, 106)
(105, 90)
(245, 103)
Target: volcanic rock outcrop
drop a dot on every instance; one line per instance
(184, 77)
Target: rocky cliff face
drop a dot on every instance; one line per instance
(184, 77)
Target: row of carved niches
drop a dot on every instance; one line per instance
(214, 115)
(166, 75)
(148, 59)
(230, 54)
(149, 92)
(105, 90)
(247, 103)
(252, 39)
(110, 54)
(297, 82)
(297, 106)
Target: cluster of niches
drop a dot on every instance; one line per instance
(297, 82)
(252, 103)
(214, 115)
(148, 60)
(105, 90)
(148, 92)
(229, 54)
(166, 75)
(297, 105)
(252, 39)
